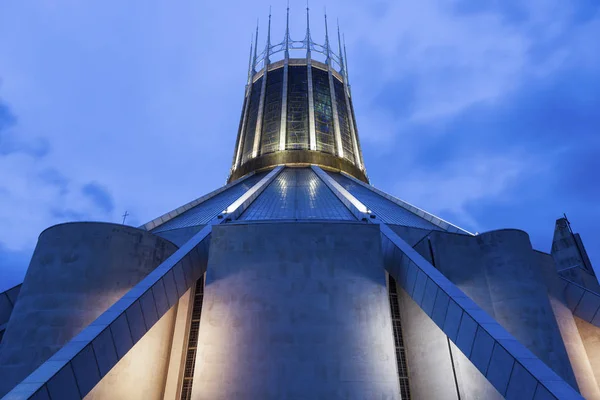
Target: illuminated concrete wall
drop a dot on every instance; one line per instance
(142, 373)
(295, 310)
(500, 272)
(590, 335)
(584, 374)
(77, 271)
(437, 369)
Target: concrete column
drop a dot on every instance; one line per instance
(178, 348)
(499, 271)
(259, 119)
(437, 368)
(428, 359)
(77, 271)
(295, 310)
(335, 115)
(242, 135)
(590, 336)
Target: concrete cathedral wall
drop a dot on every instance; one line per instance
(77, 271)
(295, 310)
(500, 271)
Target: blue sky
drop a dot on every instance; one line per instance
(482, 112)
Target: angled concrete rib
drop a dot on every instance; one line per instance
(507, 364)
(8, 298)
(76, 368)
(583, 303)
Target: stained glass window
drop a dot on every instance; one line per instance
(323, 113)
(297, 108)
(269, 141)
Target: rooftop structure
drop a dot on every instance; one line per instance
(298, 279)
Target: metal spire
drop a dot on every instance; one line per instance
(346, 58)
(250, 62)
(307, 39)
(287, 32)
(255, 47)
(327, 49)
(342, 66)
(268, 49)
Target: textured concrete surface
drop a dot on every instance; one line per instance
(428, 359)
(77, 271)
(7, 303)
(181, 235)
(472, 385)
(178, 347)
(437, 368)
(410, 235)
(590, 335)
(584, 374)
(567, 248)
(141, 374)
(295, 310)
(500, 272)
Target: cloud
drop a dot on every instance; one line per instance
(99, 196)
(10, 142)
(483, 99)
(452, 187)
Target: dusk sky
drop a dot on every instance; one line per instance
(483, 112)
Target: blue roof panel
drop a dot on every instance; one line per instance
(210, 208)
(388, 211)
(297, 194)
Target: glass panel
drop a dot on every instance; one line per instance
(269, 140)
(388, 211)
(297, 112)
(209, 209)
(297, 193)
(323, 113)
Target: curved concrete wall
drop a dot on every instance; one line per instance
(500, 272)
(77, 271)
(296, 310)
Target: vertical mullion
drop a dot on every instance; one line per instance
(398, 339)
(283, 125)
(192, 344)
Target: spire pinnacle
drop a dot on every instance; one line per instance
(307, 39)
(268, 49)
(346, 63)
(250, 62)
(287, 32)
(327, 48)
(342, 66)
(255, 47)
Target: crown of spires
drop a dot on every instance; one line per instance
(308, 44)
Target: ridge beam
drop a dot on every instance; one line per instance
(123, 324)
(358, 209)
(504, 361)
(445, 225)
(156, 222)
